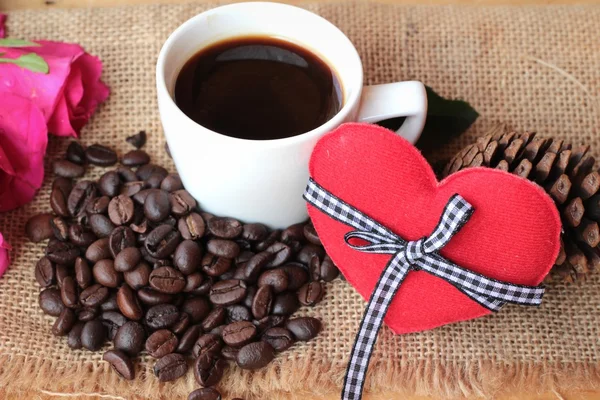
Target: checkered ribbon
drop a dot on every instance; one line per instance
(415, 255)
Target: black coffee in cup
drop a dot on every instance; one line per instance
(258, 88)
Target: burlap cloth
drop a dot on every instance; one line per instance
(534, 67)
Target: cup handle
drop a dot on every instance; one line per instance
(399, 99)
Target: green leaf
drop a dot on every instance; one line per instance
(446, 119)
(30, 61)
(10, 42)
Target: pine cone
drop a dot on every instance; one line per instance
(566, 173)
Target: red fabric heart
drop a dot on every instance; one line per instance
(513, 235)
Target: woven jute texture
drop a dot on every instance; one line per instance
(536, 68)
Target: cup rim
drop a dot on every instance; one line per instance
(336, 120)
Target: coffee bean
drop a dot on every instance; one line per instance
(120, 363)
(61, 273)
(67, 169)
(285, 303)
(38, 228)
(271, 321)
(227, 292)
(162, 316)
(236, 313)
(262, 302)
(93, 296)
(182, 203)
(120, 210)
(109, 184)
(193, 282)
(87, 314)
(113, 320)
(93, 335)
(110, 304)
(171, 183)
(129, 304)
(127, 259)
(156, 205)
(98, 205)
(101, 225)
(311, 234)
(120, 238)
(239, 333)
(304, 328)
(188, 339)
(218, 330)
(75, 153)
(215, 318)
(311, 293)
(282, 252)
(197, 308)
(209, 369)
(280, 339)
(140, 228)
(170, 367)
(255, 355)
(229, 353)
(205, 394)
(139, 276)
(64, 322)
(167, 280)
(62, 252)
(223, 248)
(254, 232)
(161, 343)
(60, 228)
(152, 174)
(162, 241)
(191, 226)
(153, 297)
(80, 196)
(138, 140)
(105, 274)
(213, 265)
(328, 270)
(297, 275)
(182, 324)
(256, 264)
(187, 257)
(100, 155)
(308, 251)
(68, 292)
(45, 273)
(135, 158)
(276, 278)
(226, 228)
(130, 338)
(140, 197)
(81, 236)
(74, 338)
(98, 250)
(204, 288)
(58, 200)
(65, 185)
(293, 233)
(207, 343)
(268, 241)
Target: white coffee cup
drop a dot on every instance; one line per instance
(263, 180)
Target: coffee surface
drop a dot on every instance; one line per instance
(258, 88)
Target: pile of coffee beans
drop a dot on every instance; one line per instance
(132, 259)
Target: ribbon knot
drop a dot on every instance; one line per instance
(422, 254)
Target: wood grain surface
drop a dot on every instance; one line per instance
(8, 5)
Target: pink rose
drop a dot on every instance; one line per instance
(23, 141)
(68, 95)
(4, 258)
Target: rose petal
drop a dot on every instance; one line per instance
(4, 256)
(23, 139)
(43, 89)
(2, 26)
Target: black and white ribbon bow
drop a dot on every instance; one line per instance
(420, 254)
